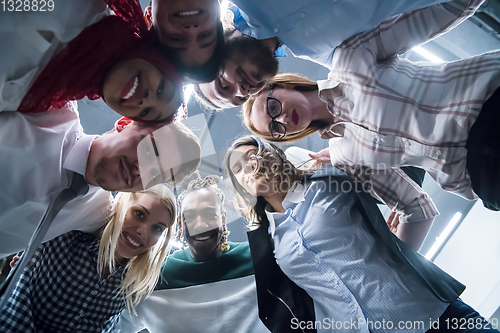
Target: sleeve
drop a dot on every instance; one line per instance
(17, 315)
(396, 189)
(403, 32)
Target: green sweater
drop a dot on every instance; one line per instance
(180, 270)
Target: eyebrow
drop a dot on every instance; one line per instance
(163, 224)
(147, 211)
(204, 46)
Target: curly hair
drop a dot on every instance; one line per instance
(270, 163)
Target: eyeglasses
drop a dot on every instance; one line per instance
(274, 109)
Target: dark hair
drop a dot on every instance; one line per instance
(207, 72)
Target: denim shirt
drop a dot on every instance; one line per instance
(312, 29)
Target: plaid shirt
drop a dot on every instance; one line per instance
(61, 291)
(390, 112)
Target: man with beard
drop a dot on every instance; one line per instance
(311, 29)
(41, 152)
(211, 276)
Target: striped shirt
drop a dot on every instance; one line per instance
(323, 244)
(60, 290)
(389, 112)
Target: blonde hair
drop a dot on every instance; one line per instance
(287, 81)
(272, 164)
(142, 272)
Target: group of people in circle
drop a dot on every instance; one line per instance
(316, 253)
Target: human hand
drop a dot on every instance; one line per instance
(14, 260)
(320, 158)
(393, 222)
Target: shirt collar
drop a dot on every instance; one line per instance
(293, 196)
(78, 156)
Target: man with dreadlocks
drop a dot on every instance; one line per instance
(211, 276)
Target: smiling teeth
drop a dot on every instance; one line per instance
(132, 91)
(202, 238)
(132, 242)
(194, 12)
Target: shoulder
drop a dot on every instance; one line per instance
(240, 249)
(68, 239)
(179, 255)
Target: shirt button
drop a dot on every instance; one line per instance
(337, 113)
(302, 14)
(82, 314)
(438, 153)
(94, 292)
(375, 138)
(276, 30)
(25, 208)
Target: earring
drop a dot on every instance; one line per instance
(224, 246)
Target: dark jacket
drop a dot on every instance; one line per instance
(274, 288)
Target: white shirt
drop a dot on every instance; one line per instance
(31, 38)
(325, 247)
(220, 307)
(389, 112)
(38, 153)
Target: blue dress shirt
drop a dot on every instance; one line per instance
(312, 29)
(324, 245)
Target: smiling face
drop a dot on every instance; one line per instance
(296, 113)
(202, 218)
(113, 163)
(136, 88)
(146, 220)
(187, 27)
(242, 164)
(248, 65)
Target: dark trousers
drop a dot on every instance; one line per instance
(483, 153)
(459, 317)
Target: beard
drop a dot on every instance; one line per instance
(245, 48)
(100, 173)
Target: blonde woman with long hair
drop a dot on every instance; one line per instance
(82, 282)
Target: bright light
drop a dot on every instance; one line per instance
(188, 91)
(444, 235)
(224, 4)
(176, 244)
(424, 53)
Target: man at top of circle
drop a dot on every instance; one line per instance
(310, 29)
(192, 32)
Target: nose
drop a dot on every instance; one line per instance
(141, 229)
(147, 100)
(190, 25)
(243, 90)
(198, 226)
(282, 118)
